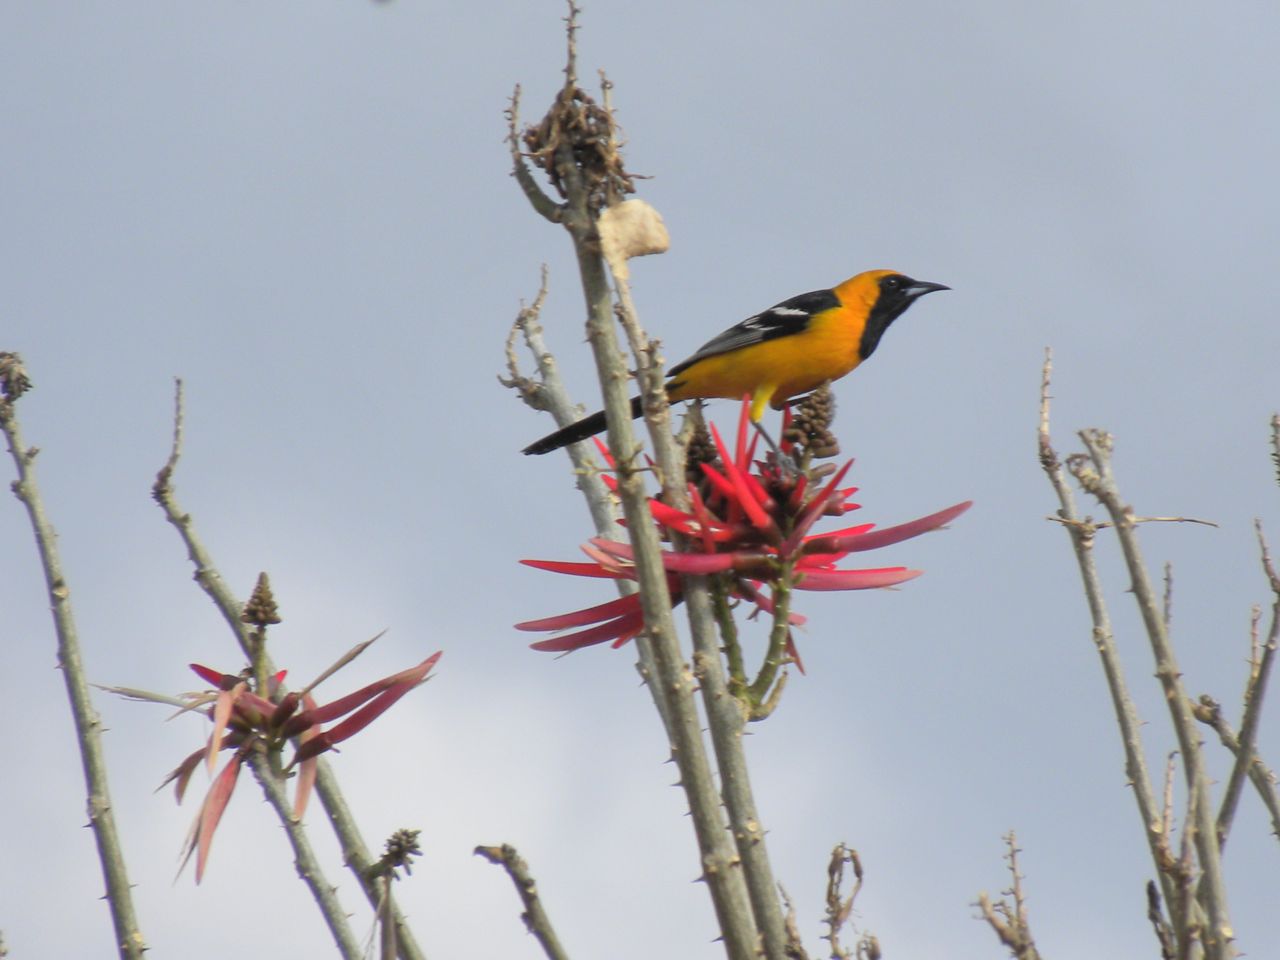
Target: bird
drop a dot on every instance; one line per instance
(788, 350)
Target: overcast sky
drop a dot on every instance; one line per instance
(304, 210)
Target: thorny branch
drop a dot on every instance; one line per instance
(1209, 712)
(534, 916)
(1243, 746)
(1083, 531)
(574, 145)
(1009, 920)
(1096, 477)
(305, 861)
(548, 392)
(1155, 913)
(640, 233)
(129, 940)
(540, 202)
(355, 852)
(1191, 880)
(1255, 690)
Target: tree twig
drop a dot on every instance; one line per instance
(1254, 692)
(1168, 862)
(543, 204)
(1009, 920)
(548, 393)
(1209, 712)
(88, 725)
(535, 917)
(1164, 934)
(1082, 532)
(838, 906)
(304, 858)
(1099, 481)
(1275, 443)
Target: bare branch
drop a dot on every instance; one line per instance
(571, 33)
(1191, 935)
(1009, 920)
(839, 907)
(531, 391)
(305, 861)
(1164, 934)
(1096, 477)
(1204, 523)
(129, 940)
(1268, 567)
(1255, 644)
(1082, 532)
(1275, 443)
(790, 920)
(1167, 860)
(548, 393)
(1255, 690)
(535, 917)
(206, 575)
(1208, 712)
(1106, 524)
(543, 204)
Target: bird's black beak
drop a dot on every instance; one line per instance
(919, 288)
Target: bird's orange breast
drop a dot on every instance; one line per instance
(786, 366)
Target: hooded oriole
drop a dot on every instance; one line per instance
(782, 352)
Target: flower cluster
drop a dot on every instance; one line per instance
(749, 523)
(246, 722)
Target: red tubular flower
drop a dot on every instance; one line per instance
(752, 526)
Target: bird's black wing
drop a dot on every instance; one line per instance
(783, 319)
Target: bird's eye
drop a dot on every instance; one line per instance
(893, 283)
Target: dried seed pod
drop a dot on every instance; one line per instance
(261, 610)
(811, 421)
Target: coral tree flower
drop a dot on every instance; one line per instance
(245, 722)
(753, 527)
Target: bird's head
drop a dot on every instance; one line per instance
(886, 295)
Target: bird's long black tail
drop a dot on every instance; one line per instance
(578, 430)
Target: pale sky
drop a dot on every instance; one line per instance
(304, 210)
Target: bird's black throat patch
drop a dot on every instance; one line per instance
(890, 305)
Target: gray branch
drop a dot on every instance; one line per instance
(129, 940)
(1082, 531)
(1212, 895)
(1254, 692)
(535, 917)
(304, 859)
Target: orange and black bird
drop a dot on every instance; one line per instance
(783, 352)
